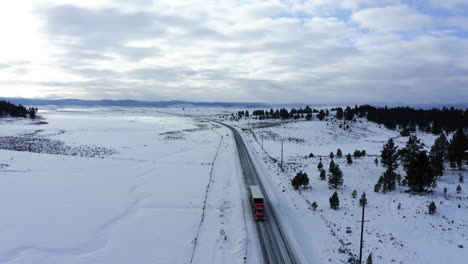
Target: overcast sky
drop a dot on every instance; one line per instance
(236, 50)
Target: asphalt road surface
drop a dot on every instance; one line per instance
(273, 241)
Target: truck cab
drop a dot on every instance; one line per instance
(257, 202)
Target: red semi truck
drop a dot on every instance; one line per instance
(257, 201)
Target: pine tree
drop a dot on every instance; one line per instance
(339, 113)
(335, 178)
(445, 192)
(331, 166)
(339, 154)
(348, 114)
(363, 200)
(457, 148)
(305, 180)
(323, 175)
(354, 194)
(459, 189)
(388, 160)
(301, 179)
(438, 154)
(349, 159)
(332, 155)
(369, 259)
(419, 173)
(314, 205)
(410, 151)
(334, 201)
(321, 115)
(320, 165)
(389, 180)
(295, 183)
(432, 208)
(32, 112)
(376, 161)
(388, 156)
(460, 178)
(378, 185)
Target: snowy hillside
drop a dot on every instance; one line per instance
(392, 235)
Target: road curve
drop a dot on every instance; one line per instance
(273, 241)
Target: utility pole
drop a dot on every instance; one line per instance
(262, 139)
(362, 233)
(281, 165)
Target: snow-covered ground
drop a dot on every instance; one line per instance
(392, 235)
(146, 185)
(166, 190)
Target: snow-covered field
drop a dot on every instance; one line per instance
(145, 185)
(140, 201)
(392, 235)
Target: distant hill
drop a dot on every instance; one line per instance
(177, 103)
(127, 103)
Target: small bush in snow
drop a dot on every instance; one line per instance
(334, 201)
(459, 189)
(460, 179)
(332, 155)
(354, 194)
(369, 259)
(445, 192)
(432, 208)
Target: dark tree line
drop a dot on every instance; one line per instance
(283, 113)
(408, 119)
(346, 114)
(13, 110)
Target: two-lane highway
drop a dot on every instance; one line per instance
(275, 245)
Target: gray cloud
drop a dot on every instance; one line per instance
(270, 51)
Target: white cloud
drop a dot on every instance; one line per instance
(391, 18)
(230, 50)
